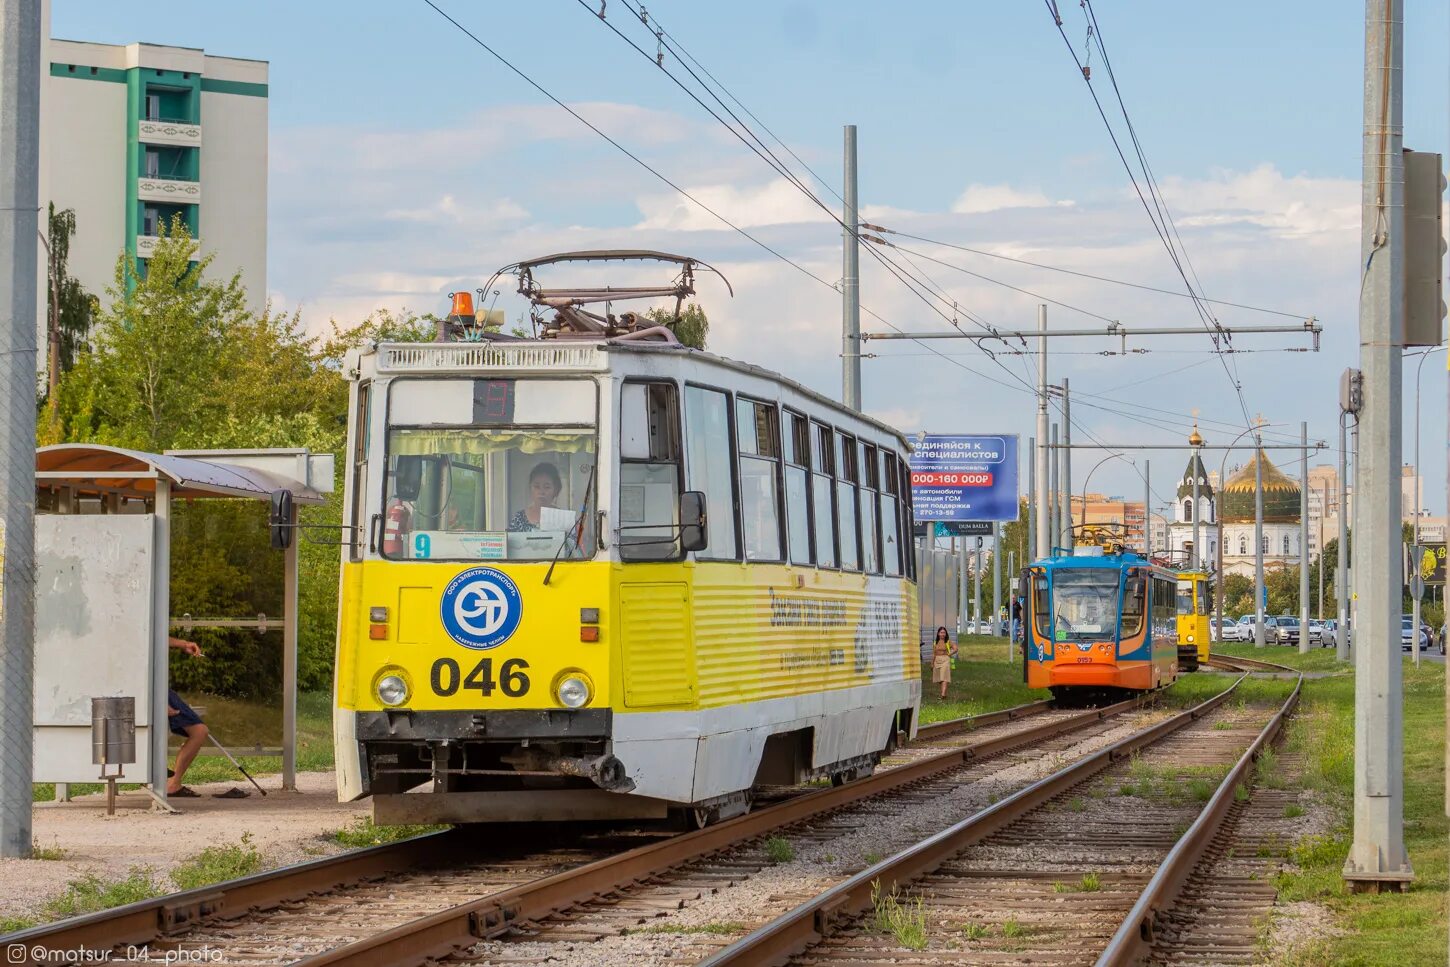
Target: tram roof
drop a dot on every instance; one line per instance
(463, 356)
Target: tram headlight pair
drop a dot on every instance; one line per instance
(573, 689)
(391, 687)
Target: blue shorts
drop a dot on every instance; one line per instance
(185, 714)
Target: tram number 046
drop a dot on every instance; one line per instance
(446, 677)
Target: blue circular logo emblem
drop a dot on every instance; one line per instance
(481, 608)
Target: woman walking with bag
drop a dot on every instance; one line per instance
(943, 651)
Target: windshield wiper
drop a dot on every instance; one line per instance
(575, 527)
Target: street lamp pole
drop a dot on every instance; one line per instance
(1086, 480)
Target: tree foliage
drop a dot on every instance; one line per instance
(177, 361)
(693, 327)
(74, 307)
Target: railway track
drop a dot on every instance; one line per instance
(444, 893)
(1077, 868)
(328, 906)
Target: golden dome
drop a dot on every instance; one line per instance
(1194, 440)
(1281, 495)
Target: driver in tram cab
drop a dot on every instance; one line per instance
(545, 486)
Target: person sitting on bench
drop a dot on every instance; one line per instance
(186, 723)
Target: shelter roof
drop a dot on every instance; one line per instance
(90, 467)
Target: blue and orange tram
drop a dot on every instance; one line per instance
(1102, 622)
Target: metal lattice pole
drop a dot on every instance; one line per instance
(19, 225)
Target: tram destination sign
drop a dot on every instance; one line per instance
(964, 478)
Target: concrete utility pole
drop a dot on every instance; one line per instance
(1042, 546)
(1258, 538)
(977, 586)
(1304, 540)
(1323, 509)
(996, 576)
(1341, 574)
(1032, 507)
(1066, 514)
(1377, 859)
(850, 281)
(19, 224)
(1011, 597)
(1054, 526)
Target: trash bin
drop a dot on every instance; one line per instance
(113, 730)
(113, 740)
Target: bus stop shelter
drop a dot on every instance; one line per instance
(103, 602)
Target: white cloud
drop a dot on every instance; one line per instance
(448, 210)
(990, 198)
(778, 202)
(1298, 207)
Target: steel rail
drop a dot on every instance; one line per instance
(147, 920)
(439, 934)
(1134, 937)
(810, 922)
(937, 730)
(1252, 664)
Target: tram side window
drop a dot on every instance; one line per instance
(797, 487)
(870, 487)
(649, 472)
(757, 428)
(823, 468)
(1041, 612)
(1134, 590)
(1201, 598)
(708, 465)
(890, 516)
(847, 474)
(1164, 611)
(908, 516)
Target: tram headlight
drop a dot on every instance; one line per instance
(392, 687)
(573, 690)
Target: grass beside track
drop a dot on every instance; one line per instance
(984, 681)
(1384, 930)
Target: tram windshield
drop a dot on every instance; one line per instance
(1185, 597)
(1084, 604)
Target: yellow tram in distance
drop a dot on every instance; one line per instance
(1194, 636)
(597, 574)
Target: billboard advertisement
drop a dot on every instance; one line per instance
(956, 477)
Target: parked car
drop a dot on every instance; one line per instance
(1407, 634)
(1286, 629)
(1316, 631)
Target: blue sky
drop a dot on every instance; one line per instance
(406, 162)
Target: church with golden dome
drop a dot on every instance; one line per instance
(1281, 517)
(1226, 514)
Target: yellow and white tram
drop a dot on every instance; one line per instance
(601, 575)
